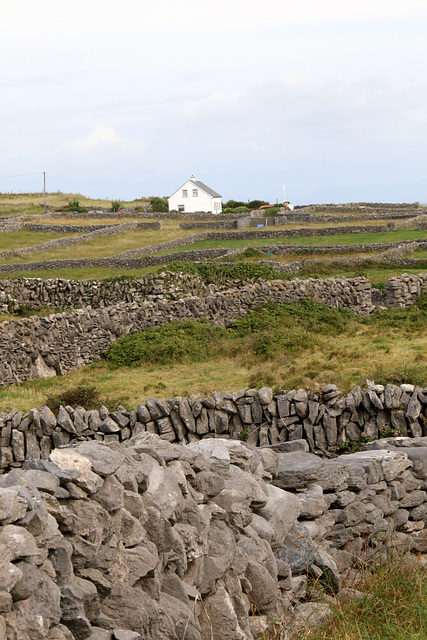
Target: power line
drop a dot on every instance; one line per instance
(22, 175)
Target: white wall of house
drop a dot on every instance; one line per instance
(190, 198)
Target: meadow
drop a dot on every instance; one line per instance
(285, 346)
(291, 347)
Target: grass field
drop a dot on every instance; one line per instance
(27, 238)
(58, 199)
(367, 347)
(301, 347)
(102, 247)
(338, 239)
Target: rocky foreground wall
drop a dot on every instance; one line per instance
(325, 418)
(51, 345)
(215, 540)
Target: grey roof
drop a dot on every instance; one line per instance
(203, 186)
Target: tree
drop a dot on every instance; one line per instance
(159, 204)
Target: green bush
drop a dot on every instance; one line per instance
(256, 204)
(241, 209)
(115, 205)
(159, 204)
(271, 213)
(74, 205)
(232, 204)
(175, 342)
(264, 332)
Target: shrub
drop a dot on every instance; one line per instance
(241, 209)
(232, 204)
(74, 205)
(159, 204)
(271, 213)
(174, 342)
(87, 397)
(115, 205)
(256, 204)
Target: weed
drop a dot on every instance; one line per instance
(394, 606)
(87, 397)
(244, 433)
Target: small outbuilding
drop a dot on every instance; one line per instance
(194, 196)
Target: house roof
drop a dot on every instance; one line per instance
(208, 190)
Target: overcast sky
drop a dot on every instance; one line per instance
(123, 99)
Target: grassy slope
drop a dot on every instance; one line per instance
(57, 199)
(362, 351)
(27, 238)
(349, 239)
(300, 350)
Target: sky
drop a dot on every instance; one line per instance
(127, 99)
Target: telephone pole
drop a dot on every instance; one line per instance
(44, 189)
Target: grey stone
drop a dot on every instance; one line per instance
(64, 421)
(297, 549)
(296, 469)
(12, 506)
(281, 512)
(29, 582)
(20, 543)
(109, 426)
(186, 415)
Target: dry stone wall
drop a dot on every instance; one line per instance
(215, 540)
(402, 291)
(357, 207)
(72, 294)
(248, 235)
(326, 419)
(67, 242)
(55, 344)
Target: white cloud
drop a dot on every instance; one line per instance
(100, 137)
(217, 103)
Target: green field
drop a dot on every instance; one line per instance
(332, 240)
(392, 344)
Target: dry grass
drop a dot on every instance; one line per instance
(58, 199)
(394, 606)
(102, 247)
(362, 351)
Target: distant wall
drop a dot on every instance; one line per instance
(358, 207)
(100, 230)
(52, 345)
(402, 291)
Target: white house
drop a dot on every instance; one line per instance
(195, 196)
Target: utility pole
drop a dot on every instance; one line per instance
(44, 189)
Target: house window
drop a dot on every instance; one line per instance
(184, 193)
(181, 207)
(195, 193)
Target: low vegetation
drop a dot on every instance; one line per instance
(394, 605)
(283, 346)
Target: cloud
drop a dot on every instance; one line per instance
(215, 104)
(101, 137)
